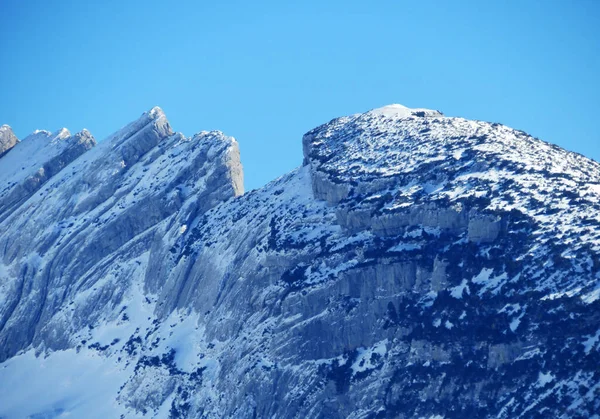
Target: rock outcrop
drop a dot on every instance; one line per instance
(7, 139)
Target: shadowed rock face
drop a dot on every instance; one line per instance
(414, 266)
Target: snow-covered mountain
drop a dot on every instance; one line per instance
(416, 265)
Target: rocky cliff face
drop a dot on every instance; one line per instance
(415, 266)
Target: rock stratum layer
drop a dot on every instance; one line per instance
(415, 265)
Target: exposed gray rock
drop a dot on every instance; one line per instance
(425, 351)
(439, 275)
(483, 228)
(7, 139)
(502, 354)
(328, 190)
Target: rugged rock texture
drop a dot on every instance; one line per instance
(36, 159)
(103, 208)
(7, 139)
(415, 266)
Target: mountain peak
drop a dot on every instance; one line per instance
(154, 119)
(61, 134)
(45, 135)
(155, 113)
(396, 110)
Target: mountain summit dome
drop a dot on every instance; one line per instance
(399, 111)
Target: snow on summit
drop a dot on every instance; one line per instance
(399, 111)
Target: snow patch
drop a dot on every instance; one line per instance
(591, 342)
(514, 324)
(544, 378)
(367, 358)
(399, 111)
(458, 291)
(590, 297)
(65, 383)
(489, 283)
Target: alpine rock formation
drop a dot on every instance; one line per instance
(415, 265)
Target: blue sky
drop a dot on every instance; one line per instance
(266, 72)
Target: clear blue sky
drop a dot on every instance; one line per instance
(266, 72)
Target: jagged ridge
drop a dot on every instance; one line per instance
(63, 239)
